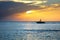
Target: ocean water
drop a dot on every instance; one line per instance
(29, 31)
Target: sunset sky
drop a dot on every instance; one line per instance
(26, 10)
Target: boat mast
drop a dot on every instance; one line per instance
(40, 20)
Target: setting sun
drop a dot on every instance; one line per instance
(30, 11)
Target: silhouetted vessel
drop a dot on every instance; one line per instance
(40, 21)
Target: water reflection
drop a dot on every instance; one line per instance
(29, 35)
(28, 26)
(29, 31)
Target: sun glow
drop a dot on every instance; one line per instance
(48, 14)
(28, 12)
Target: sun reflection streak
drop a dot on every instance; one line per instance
(28, 26)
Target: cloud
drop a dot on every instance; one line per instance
(52, 2)
(5, 0)
(38, 3)
(32, 2)
(9, 8)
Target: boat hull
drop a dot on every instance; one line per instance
(40, 22)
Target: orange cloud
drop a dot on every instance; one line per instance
(48, 14)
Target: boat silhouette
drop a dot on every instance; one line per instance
(40, 21)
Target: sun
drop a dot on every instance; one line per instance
(29, 12)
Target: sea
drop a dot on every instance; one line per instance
(11, 30)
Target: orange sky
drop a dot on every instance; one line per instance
(47, 14)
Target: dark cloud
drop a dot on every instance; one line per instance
(9, 8)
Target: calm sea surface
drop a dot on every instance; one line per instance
(29, 31)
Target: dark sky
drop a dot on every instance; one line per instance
(9, 8)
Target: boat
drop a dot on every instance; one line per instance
(40, 21)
